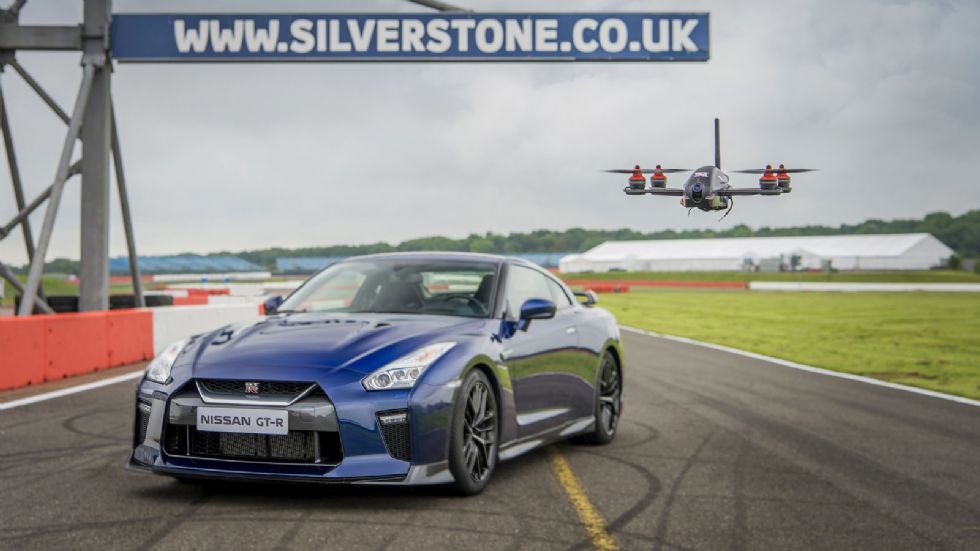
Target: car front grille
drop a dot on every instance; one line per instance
(237, 388)
(395, 431)
(315, 438)
(294, 447)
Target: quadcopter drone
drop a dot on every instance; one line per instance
(708, 188)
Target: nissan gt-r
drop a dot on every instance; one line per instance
(411, 368)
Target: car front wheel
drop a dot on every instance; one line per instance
(473, 437)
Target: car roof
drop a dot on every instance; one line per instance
(449, 255)
(434, 255)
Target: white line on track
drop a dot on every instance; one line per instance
(70, 390)
(803, 367)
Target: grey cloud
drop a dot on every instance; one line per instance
(880, 95)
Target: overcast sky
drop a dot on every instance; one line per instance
(881, 95)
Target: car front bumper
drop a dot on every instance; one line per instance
(346, 418)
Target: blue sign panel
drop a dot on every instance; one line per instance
(412, 37)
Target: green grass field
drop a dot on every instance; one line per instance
(58, 286)
(935, 276)
(928, 340)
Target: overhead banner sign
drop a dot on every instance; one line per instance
(412, 37)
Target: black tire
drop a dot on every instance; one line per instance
(473, 438)
(608, 402)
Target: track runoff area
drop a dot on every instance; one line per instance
(716, 449)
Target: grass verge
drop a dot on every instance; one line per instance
(58, 286)
(930, 276)
(927, 340)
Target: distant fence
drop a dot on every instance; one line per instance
(185, 264)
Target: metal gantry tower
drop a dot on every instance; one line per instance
(92, 122)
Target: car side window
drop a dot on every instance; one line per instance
(558, 295)
(524, 284)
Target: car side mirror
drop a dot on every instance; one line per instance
(272, 304)
(587, 298)
(536, 309)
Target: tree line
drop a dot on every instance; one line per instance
(961, 233)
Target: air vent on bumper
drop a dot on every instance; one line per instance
(394, 430)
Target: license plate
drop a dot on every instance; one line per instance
(241, 420)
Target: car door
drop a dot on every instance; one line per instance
(538, 359)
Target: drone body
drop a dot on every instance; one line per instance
(708, 188)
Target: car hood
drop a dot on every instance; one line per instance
(352, 342)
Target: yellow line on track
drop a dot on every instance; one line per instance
(590, 517)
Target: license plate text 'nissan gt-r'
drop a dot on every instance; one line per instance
(417, 368)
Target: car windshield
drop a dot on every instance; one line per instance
(399, 286)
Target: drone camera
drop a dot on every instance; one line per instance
(697, 193)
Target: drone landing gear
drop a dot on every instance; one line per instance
(731, 207)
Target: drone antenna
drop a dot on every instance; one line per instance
(717, 144)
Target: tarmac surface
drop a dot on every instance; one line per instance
(715, 451)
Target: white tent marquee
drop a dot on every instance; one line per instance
(913, 251)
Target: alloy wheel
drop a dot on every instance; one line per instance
(479, 432)
(610, 395)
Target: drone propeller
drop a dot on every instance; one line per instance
(786, 170)
(646, 170)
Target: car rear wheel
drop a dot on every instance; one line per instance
(608, 402)
(473, 437)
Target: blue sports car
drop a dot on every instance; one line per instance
(415, 368)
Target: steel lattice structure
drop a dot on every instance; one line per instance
(99, 142)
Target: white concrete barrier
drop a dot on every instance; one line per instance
(865, 287)
(176, 293)
(246, 289)
(281, 287)
(235, 299)
(234, 276)
(171, 323)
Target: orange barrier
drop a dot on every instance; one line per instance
(47, 347)
(191, 299)
(130, 335)
(206, 292)
(75, 344)
(607, 288)
(22, 351)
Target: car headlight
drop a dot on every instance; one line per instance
(403, 372)
(159, 368)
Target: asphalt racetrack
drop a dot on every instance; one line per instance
(715, 451)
